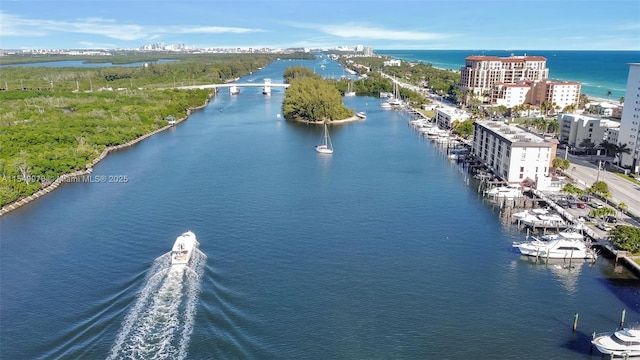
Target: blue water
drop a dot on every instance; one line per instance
(598, 71)
(383, 250)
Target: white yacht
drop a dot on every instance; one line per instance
(542, 220)
(624, 342)
(183, 248)
(508, 191)
(385, 105)
(556, 248)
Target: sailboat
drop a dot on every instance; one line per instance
(325, 147)
(350, 91)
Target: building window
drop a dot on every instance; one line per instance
(521, 168)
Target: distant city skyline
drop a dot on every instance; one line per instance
(428, 24)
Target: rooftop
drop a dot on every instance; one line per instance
(511, 133)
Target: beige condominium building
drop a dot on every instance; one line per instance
(511, 152)
(630, 121)
(515, 80)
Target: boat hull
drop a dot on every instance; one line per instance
(556, 249)
(183, 249)
(322, 149)
(618, 343)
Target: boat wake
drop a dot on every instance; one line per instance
(160, 323)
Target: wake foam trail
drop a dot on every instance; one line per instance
(160, 323)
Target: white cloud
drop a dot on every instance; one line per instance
(12, 25)
(366, 32)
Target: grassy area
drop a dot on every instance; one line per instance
(627, 177)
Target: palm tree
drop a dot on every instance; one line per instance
(553, 126)
(609, 148)
(587, 144)
(621, 100)
(623, 207)
(544, 106)
(583, 100)
(621, 149)
(516, 110)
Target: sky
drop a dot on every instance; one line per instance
(390, 24)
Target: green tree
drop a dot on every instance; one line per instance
(464, 128)
(609, 148)
(621, 149)
(313, 99)
(583, 100)
(586, 143)
(572, 189)
(600, 188)
(553, 126)
(560, 163)
(626, 238)
(602, 212)
(623, 207)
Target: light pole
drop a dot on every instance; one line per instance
(598, 175)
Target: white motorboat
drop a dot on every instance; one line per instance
(541, 220)
(361, 114)
(183, 249)
(385, 105)
(325, 147)
(557, 248)
(624, 342)
(508, 191)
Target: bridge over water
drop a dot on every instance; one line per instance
(234, 87)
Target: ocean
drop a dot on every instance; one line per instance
(598, 71)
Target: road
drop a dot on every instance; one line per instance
(585, 172)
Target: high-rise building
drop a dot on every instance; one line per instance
(480, 73)
(515, 80)
(630, 122)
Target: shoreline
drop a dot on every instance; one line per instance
(354, 118)
(69, 177)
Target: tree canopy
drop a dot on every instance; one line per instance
(313, 99)
(626, 238)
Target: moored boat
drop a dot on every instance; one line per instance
(509, 191)
(325, 147)
(183, 249)
(556, 248)
(624, 342)
(361, 114)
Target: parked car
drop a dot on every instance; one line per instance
(563, 203)
(611, 219)
(604, 227)
(581, 206)
(596, 205)
(583, 198)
